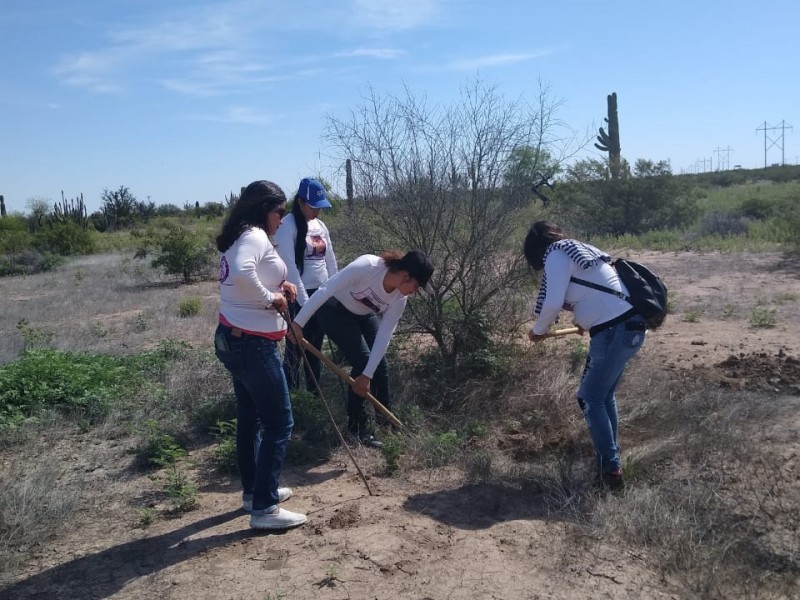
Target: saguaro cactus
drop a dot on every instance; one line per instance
(609, 142)
(2, 206)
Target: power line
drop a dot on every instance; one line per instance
(723, 164)
(765, 128)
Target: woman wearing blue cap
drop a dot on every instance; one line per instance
(304, 244)
(347, 307)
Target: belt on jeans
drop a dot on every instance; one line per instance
(615, 321)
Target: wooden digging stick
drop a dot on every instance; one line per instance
(560, 332)
(349, 380)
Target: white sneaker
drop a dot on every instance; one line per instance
(282, 519)
(284, 494)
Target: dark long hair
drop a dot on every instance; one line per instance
(250, 210)
(540, 236)
(302, 231)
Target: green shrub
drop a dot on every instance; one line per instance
(158, 448)
(190, 306)
(393, 448)
(34, 337)
(82, 384)
(224, 455)
(763, 317)
(66, 239)
(179, 251)
(439, 449)
(181, 490)
(28, 262)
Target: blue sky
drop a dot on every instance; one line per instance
(184, 101)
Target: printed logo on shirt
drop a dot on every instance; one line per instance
(315, 247)
(371, 300)
(224, 269)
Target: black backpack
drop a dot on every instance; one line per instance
(648, 293)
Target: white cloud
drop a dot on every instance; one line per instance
(380, 53)
(493, 60)
(396, 14)
(239, 115)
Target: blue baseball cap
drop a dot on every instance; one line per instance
(313, 193)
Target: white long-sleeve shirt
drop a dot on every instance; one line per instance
(590, 307)
(250, 275)
(359, 287)
(319, 260)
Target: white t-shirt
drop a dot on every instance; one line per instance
(359, 287)
(319, 260)
(590, 307)
(250, 274)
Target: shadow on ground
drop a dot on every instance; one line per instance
(104, 573)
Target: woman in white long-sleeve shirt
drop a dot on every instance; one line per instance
(304, 244)
(348, 305)
(617, 331)
(253, 286)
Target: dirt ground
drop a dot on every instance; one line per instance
(423, 535)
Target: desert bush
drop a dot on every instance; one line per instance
(722, 224)
(34, 507)
(763, 317)
(28, 262)
(645, 198)
(66, 239)
(438, 179)
(14, 235)
(438, 449)
(179, 251)
(190, 306)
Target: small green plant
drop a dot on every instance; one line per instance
(439, 449)
(763, 317)
(691, 316)
(79, 276)
(275, 596)
(159, 449)
(392, 450)
(190, 306)
(478, 466)
(224, 455)
(34, 337)
(147, 516)
(181, 490)
(140, 322)
(99, 330)
(728, 311)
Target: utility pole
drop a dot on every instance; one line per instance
(723, 164)
(765, 128)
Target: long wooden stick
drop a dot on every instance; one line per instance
(349, 380)
(565, 331)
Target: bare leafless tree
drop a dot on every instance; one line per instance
(434, 177)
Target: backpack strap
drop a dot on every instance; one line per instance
(601, 288)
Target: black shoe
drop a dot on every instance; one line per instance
(613, 480)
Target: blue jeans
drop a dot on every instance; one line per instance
(262, 401)
(354, 336)
(609, 352)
